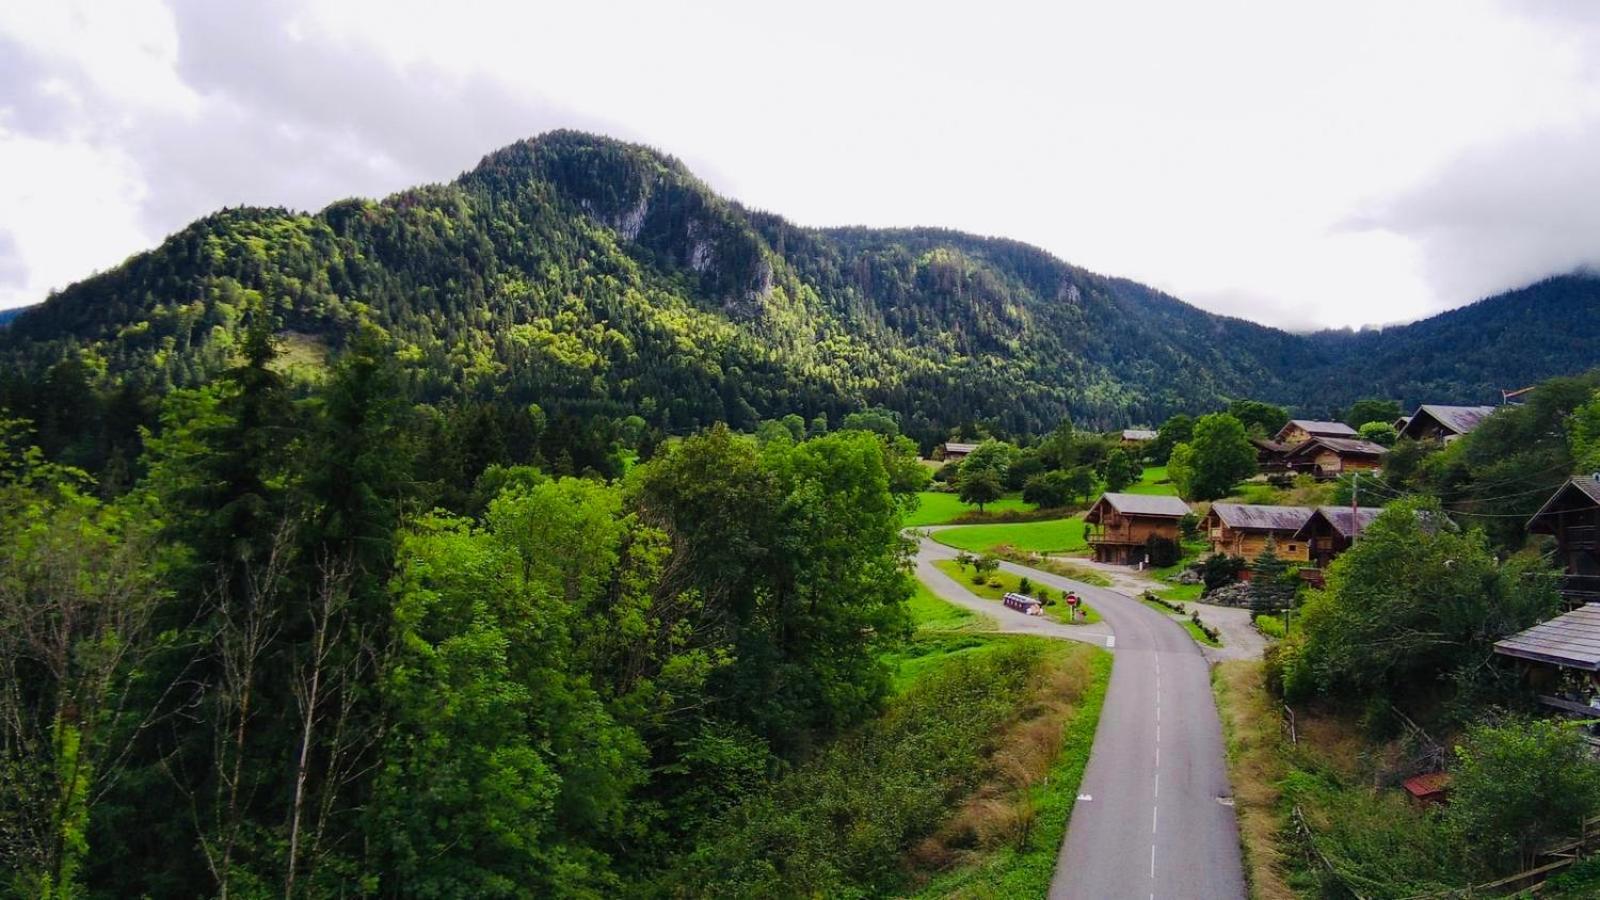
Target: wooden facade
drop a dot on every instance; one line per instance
(954, 451)
(1270, 455)
(1331, 530)
(1118, 527)
(1443, 423)
(1572, 517)
(1329, 457)
(1243, 529)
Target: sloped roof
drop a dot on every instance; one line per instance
(1571, 640)
(1352, 446)
(1252, 517)
(1143, 505)
(1138, 434)
(1339, 518)
(1458, 419)
(1585, 485)
(1272, 445)
(1311, 426)
(959, 448)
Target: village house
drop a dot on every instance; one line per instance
(1444, 423)
(1330, 457)
(1270, 454)
(1243, 529)
(1301, 430)
(1119, 526)
(1561, 660)
(954, 452)
(1572, 516)
(1137, 437)
(1332, 529)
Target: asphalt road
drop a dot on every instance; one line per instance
(1154, 817)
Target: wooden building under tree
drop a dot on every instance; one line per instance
(1572, 517)
(1270, 454)
(1332, 529)
(954, 452)
(1119, 527)
(1444, 423)
(1300, 430)
(1330, 457)
(1243, 529)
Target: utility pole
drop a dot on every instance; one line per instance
(1355, 506)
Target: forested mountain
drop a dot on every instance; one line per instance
(597, 277)
(7, 315)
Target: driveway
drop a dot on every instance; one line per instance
(1154, 817)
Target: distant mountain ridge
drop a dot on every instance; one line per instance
(591, 275)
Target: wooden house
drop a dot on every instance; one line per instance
(1270, 454)
(1444, 423)
(1572, 516)
(1561, 659)
(1134, 438)
(1330, 457)
(1332, 529)
(1300, 430)
(1242, 529)
(954, 451)
(1118, 526)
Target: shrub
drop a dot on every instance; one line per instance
(1271, 626)
(1025, 586)
(1220, 570)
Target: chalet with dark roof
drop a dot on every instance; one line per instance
(1444, 423)
(1137, 437)
(1330, 457)
(1270, 454)
(1572, 517)
(1120, 526)
(1243, 529)
(1300, 430)
(954, 451)
(1332, 529)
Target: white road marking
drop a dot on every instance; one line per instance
(1111, 641)
(1085, 797)
(1158, 756)
(1152, 860)
(1155, 813)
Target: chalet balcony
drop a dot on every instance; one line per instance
(1577, 590)
(1112, 536)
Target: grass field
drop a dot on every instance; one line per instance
(1049, 536)
(1007, 584)
(929, 613)
(1153, 481)
(937, 508)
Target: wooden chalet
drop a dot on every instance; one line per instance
(1330, 457)
(1332, 529)
(1561, 660)
(1572, 516)
(1118, 526)
(1444, 423)
(1301, 430)
(955, 451)
(1243, 529)
(1270, 454)
(1137, 437)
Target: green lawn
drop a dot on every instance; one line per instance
(1009, 583)
(937, 508)
(1049, 536)
(929, 613)
(1153, 481)
(1181, 593)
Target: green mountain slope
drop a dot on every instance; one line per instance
(591, 275)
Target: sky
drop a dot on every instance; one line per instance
(1301, 165)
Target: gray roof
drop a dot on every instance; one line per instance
(959, 448)
(1339, 517)
(1330, 429)
(1138, 434)
(1147, 505)
(1459, 419)
(1250, 517)
(1571, 640)
(1342, 445)
(1588, 485)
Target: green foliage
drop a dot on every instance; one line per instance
(1518, 787)
(1162, 551)
(1381, 433)
(1220, 569)
(1411, 602)
(1270, 625)
(1216, 458)
(980, 486)
(1174, 431)
(1583, 435)
(1259, 419)
(1372, 410)
(1272, 582)
(1119, 470)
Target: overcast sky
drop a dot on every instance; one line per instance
(1297, 164)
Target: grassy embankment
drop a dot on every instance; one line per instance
(1000, 583)
(962, 787)
(1049, 536)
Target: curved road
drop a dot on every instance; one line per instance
(1154, 817)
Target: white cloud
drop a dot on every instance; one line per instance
(1294, 164)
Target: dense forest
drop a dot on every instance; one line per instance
(599, 278)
